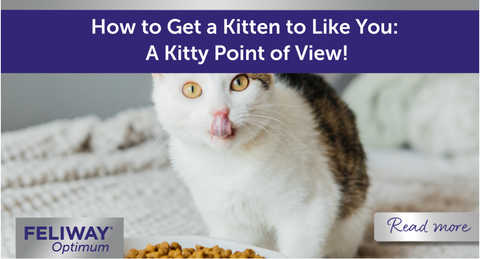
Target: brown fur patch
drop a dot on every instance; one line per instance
(338, 134)
(266, 79)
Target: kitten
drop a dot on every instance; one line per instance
(272, 161)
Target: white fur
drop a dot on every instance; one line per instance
(268, 186)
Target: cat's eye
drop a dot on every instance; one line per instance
(192, 90)
(239, 83)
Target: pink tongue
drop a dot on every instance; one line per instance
(221, 125)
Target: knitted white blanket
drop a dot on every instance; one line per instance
(86, 167)
(434, 113)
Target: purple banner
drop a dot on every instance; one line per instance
(240, 41)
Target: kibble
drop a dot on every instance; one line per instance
(174, 250)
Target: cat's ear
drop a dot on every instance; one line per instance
(157, 75)
(265, 78)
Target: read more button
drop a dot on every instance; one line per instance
(426, 227)
(396, 223)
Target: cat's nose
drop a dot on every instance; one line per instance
(221, 125)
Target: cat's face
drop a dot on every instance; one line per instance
(219, 110)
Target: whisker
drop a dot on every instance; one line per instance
(160, 152)
(268, 117)
(164, 132)
(250, 132)
(291, 133)
(278, 129)
(268, 132)
(164, 146)
(279, 113)
(276, 104)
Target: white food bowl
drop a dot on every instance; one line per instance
(190, 242)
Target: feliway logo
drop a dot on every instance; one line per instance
(69, 237)
(40, 233)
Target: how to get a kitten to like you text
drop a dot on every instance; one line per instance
(272, 160)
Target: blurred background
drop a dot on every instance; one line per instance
(29, 99)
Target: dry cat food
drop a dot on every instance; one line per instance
(165, 250)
